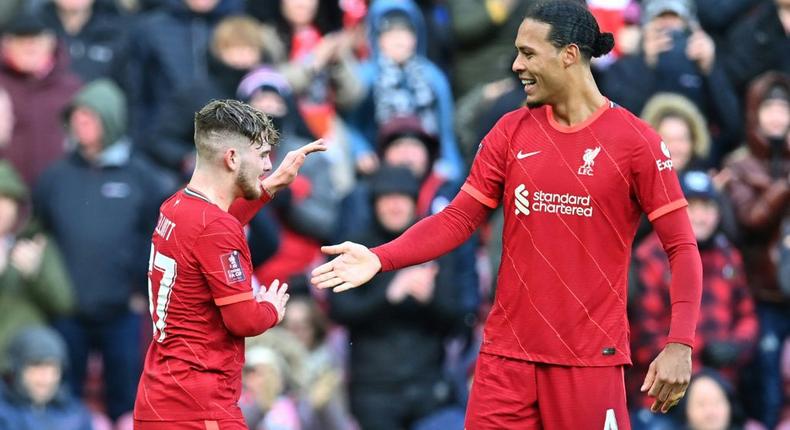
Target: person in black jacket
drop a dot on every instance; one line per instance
(759, 43)
(169, 51)
(96, 37)
(100, 204)
(677, 56)
(398, 323)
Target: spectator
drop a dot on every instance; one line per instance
(718, 16)
(100, 203)
(760, 192)
(236, 48)
(402, 141)
(323, 405)
(759, 43)
(677, 56)
(272, 375)
(710, 404)
(483, 32)
(398, 323)
(321, 65)
(169, 51)
(727, 326)
(34, 286)
(685, 131)
(95, 36)
(682, 127)
(308, 209)
(36, 398)
(403, 82)
(33, 70)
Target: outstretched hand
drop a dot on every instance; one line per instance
(668, 377)
(288, 169)
(354, 265)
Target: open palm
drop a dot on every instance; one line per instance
(354, 265)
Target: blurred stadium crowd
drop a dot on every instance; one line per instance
(96, 106)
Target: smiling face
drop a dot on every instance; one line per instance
(538, 63)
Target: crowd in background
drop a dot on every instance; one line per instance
(97, 99)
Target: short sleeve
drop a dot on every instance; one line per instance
(225, 262)
(487, 177)
(655, 181)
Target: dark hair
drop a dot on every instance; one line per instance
(572, 23)
(233, 116)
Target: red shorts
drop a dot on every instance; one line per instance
(514, 394)
(191, 425)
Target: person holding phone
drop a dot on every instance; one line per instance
(678, 56)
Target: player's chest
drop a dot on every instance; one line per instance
(566, 175)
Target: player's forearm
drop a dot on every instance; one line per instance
(435, 235)
(245, 210)
(249, 318)
(685, 290)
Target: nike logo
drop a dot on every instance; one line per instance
(521, 156)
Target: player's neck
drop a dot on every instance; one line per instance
(217, 191)
(581, 100)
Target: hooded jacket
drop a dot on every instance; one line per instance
(760, 193)
(29, 301)
(37, 139)
(363, 118)
(17, 411)
(102, 212)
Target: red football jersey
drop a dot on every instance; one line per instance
(572, 199)
(199, 262)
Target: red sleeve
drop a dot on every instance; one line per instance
(225, 261)
(685, 290)
(446, 230)
(249, 318)
(245, 210)
(655, 181)
(487, 177)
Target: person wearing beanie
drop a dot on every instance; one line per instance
(397, 326)
(34, 72)
(759, 188)
(34, 285)
(36, 397)
(100, 203)
(727, 327)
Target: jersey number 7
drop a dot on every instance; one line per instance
(162, 273)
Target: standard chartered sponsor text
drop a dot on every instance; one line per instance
(563, 204)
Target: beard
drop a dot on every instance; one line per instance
(248, 183)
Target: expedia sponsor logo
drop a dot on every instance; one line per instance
(664, 164)
(552, 203)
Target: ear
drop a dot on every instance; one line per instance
(232, 159)
(570, 55)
